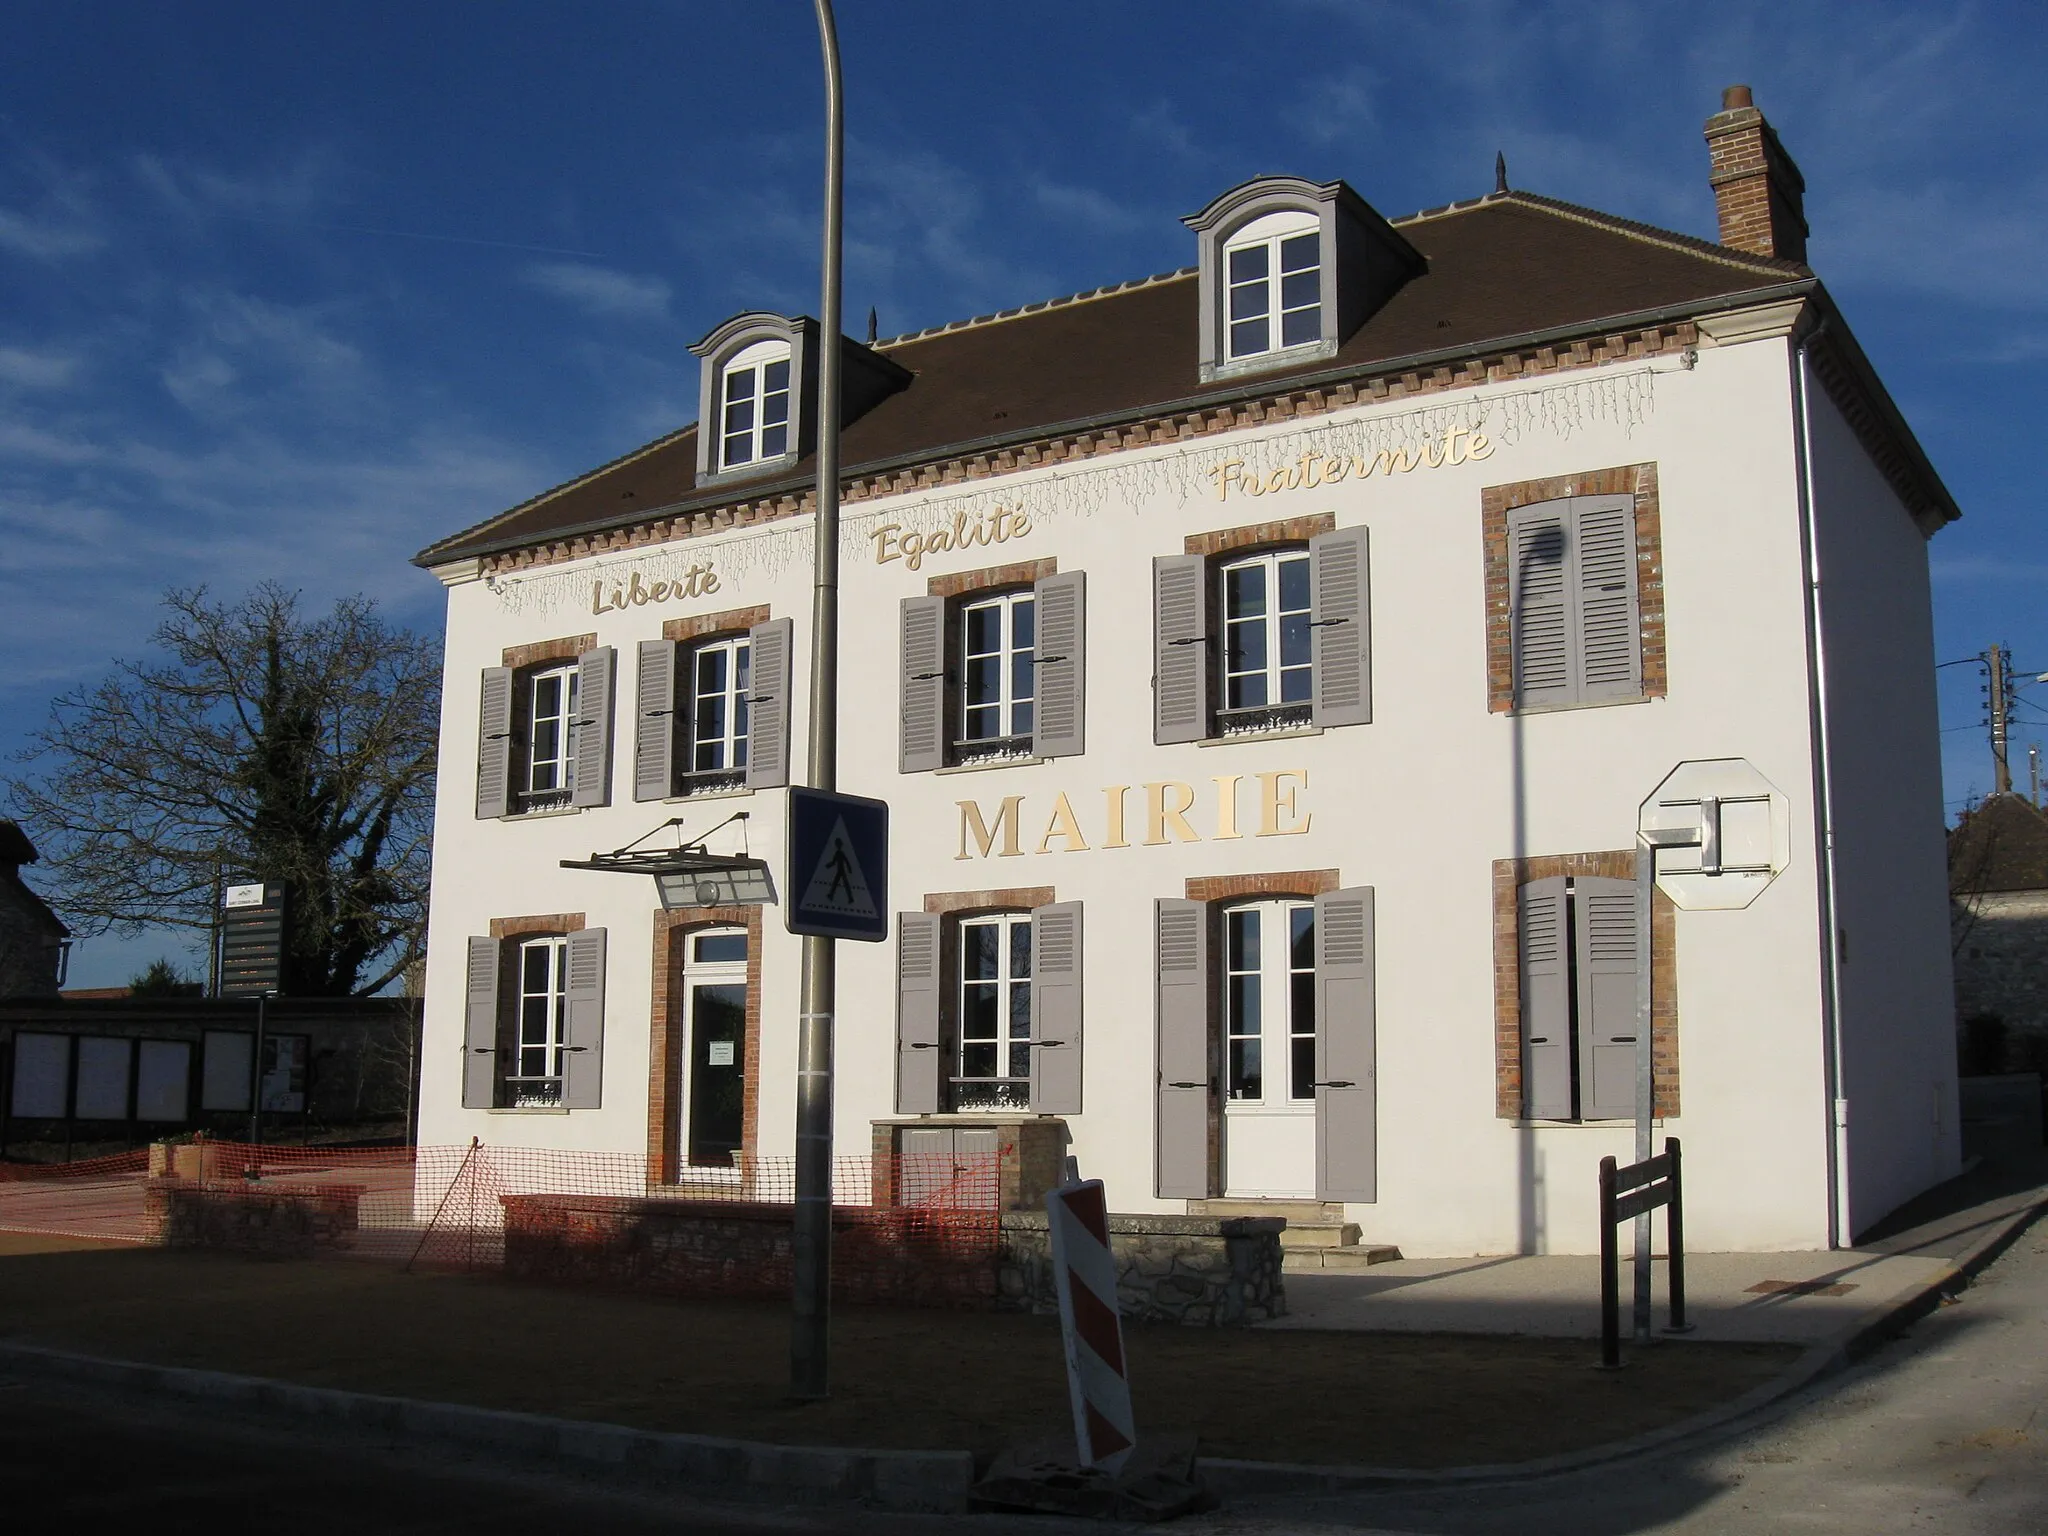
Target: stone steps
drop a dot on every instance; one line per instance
(1298, 1261)
(1320, 1234)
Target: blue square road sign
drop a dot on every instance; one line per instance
(838, 865)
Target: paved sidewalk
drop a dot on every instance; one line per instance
(1790, 1298)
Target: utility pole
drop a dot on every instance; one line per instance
(2000, 690)
(2034, 775)
(811, 1292)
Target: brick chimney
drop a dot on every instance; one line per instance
(1758, 191)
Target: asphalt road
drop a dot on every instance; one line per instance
(1944, 1429)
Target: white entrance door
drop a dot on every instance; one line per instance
(1269, 1026)
(714, 1047)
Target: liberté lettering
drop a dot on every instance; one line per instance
(1454, 445)
(697, 581)
(1162, 816)
(965, 531)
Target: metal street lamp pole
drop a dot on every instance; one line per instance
(811, 1302)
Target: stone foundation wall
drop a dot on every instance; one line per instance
(2001, 966)
(736, 1248)
(280, 1223)
(1203, 1272)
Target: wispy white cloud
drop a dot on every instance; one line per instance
(1094, 211)
(25, 368)
(1963, 568)
(50, 238)
(312, 178)
(601, 291)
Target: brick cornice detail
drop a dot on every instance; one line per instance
(1022, 574)
(698, 625)
(562, 648)
(1294, 882)
(1293, 530)
(942, 902)
(1148, 432)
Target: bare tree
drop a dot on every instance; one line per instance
(259, 745)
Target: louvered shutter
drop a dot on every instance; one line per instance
(654, 721)
(1056, 1008)
(1180, 648)
(594, 670)
(494, 745)
(1539, 603)
(1609, 662)
(1546, 1001)
(1182, 1132)
(768, 682)
(1340, 592)
(583, 1024)
(918, 1054)
(1347, 1048)
(922, 745)
(480, 1027)
(1059, 674)
(1605, 934)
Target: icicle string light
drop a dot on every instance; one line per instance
(1131, 482)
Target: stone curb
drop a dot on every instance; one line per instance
(932, 1481)
(1849, 1345)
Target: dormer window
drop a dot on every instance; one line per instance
(1290, 269)
(754, 405)
(1274, 267)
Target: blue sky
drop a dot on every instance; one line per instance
(290, 291)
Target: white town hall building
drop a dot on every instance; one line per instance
(1269, 666)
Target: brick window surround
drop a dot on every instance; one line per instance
(508, 931)
(1497, 501)
(563, 648)
(943, 903)
(1021, 574)
(1509, 875)
(1294, 530)
(667, 1030)
(731, 621)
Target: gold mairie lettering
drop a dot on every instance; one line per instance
(1160, 814)
(1276, 800)
(984, 835)
(1065, 827)
(1113, 797)
(1226, 806)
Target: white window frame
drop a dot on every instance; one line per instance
(563, 760)
(1271, 234)
(765, 434)
(731, 742)
(540, 1023)
(1014, 709)
(1273, 673)
(1008, 1089)
(1282, 988)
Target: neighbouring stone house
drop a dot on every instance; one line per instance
(34, 942)
(1998, 892)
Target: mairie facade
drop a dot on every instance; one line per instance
(1270, 667)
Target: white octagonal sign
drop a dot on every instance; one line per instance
(1722, 832)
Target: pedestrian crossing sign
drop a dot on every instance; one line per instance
(838, 865)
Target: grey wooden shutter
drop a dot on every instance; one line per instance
(1539, 604)
(1059, 674)
(1605, 938)
(1546, 1001)
(480, 1027)
(594, 670)
(654, 721)
(1181, 1148)
(768, 680)
(1341, 595)
(922, 746)
(494, 745)
(1347, 1048)
(1056, 1008)
(1608, 631)
(919, 1058)
(1180, 648)
(583, 1027)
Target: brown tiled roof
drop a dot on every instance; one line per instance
(2002, 845)
(1504, 268)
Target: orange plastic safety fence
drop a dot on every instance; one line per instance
(911, 1229)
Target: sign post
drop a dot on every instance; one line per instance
(252, 965)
